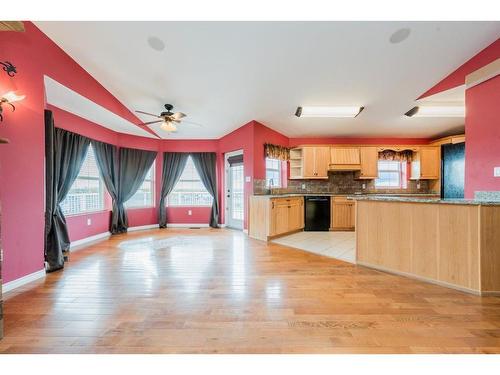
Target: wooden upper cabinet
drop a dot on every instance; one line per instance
(315, 162)
(322, 161)
(426, 163)
(308, 162)
(430, 162)
(369, 162)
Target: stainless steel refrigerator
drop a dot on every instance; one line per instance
(453, 170)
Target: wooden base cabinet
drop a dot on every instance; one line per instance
(271, 217)
(343, 214)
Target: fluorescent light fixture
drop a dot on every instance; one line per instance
(437, 111)
(168, 126)
(337, 111)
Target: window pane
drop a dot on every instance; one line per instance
(391, 174)
(237, 192)
(189, 190)
(273, 172)
(144, 197)
(86, 193)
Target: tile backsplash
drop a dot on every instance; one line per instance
(339, 183)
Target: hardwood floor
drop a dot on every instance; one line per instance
(217, 291)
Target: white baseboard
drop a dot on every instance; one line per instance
(80, 244)
(188, 225)
(143, 227)
(7, 287)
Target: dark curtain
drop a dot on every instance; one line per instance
(205, 163)
(173, 166)
(133, 167)
(107, 160)
(65, 153)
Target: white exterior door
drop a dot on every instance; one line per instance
(235, 201)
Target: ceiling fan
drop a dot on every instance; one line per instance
(168, 119)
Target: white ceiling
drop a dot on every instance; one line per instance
(224, 74)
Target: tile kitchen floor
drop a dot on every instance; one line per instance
(338, 245)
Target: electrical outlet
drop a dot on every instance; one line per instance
(89, 221)
(363, 185)
(303, 186)
(418, 185)
(248, 179)
(190, 212)
(496, 172)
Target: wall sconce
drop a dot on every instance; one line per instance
(9, 97)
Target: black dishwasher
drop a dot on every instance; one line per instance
(317, 213)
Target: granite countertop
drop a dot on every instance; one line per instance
(355, 195)
(423, 200)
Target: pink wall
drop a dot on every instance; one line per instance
(22, 161)
(482, 121)
(240, 139)
(482, 129)
(457, 77)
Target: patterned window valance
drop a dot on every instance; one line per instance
(404, 155)
(276, 152)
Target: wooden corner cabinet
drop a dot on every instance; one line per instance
(275, 216)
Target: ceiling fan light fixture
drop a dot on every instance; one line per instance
(168, 126)
(437, 111)
(334, 111)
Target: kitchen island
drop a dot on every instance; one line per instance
(454, 243)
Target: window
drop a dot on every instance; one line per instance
(86, 193)
(391, 174)
(189, 190)
(273, 172)
(144, 196)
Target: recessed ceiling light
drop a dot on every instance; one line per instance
(437, 111)
(156, 43)
(400, 35)
(337, 111)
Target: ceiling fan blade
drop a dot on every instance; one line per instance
(150, 122)
(149, 114)
(178, 115)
